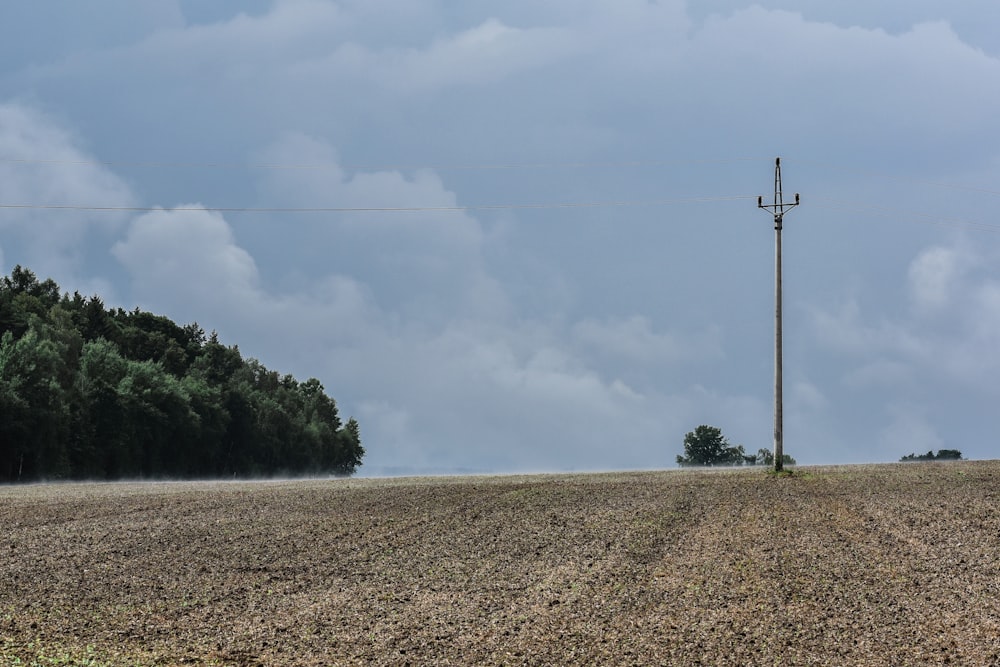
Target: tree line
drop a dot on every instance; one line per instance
(89, 392)
(942, 455)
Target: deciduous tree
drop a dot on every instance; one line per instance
(706, 446)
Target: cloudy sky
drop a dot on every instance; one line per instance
(580, 275)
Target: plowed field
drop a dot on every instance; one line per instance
(859, 565)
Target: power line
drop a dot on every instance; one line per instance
(819, 202)
(376, 167)
(499, 166)
(376, 209)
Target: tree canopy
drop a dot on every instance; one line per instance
(97, 393)
(706, 446)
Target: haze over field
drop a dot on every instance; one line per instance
(479, 335)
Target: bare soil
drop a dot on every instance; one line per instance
(858, 565)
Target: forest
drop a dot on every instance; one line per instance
(90, 392)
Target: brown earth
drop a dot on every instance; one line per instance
(875, 565)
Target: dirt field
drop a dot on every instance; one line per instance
(874, 565)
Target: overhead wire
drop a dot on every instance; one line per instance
(379, 167)
(820, 202)
(379, 209)
(582, 164)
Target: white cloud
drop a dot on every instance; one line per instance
(957, 295)
(432, 258)
(192, 252)
(187, 262)
(951, 331)
(318, 43)
(43, 164)
(551, 78)
(478, 56)
(934, 274)
(862, 89)
(848, 330)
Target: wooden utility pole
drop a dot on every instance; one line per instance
(777, 209)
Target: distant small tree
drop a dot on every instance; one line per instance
(706, 446)
(765, 457)
(942, 455)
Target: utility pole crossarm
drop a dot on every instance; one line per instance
(777, 208)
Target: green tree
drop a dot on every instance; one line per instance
(35, 374)
(205, 436)
(149, 337)
(351, 452)
(102, 448)
(13, 412)
(21, 297)
(218, 364)
(706, 446)
(157, 417)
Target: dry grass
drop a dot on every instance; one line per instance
(874, 565)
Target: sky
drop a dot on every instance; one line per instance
(580, 274)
